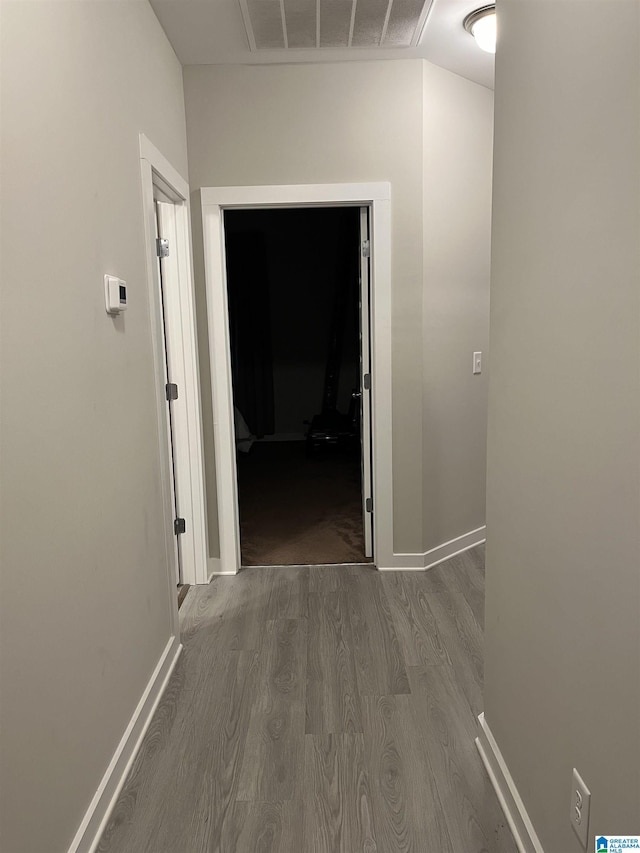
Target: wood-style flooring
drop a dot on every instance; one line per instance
(320, 710)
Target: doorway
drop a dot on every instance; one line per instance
(376, 198)
(172, 313)
(298, 297)
(165, 231)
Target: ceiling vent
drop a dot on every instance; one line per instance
(304, 24)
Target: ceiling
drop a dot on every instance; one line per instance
(296, 24)
(212, 32)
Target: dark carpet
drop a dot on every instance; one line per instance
(299, 510)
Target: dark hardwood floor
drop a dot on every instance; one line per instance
(320, 710)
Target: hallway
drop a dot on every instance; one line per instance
(320, 710)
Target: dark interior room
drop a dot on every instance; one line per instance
(293, 291)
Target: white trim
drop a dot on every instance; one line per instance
(163, 167)
(215, 568)
(95, 820)
(183, 355)
(437, 555)
(454, 547)
(510, 800)
(296, 195)
(364, 320)
(377, 196)
(404, 563)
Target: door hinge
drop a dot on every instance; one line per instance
(171, 391)
(162, 247)
(179, 526)
(366, 382)
(366, 248)
(368, 504)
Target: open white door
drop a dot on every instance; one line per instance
(365, 382)
(165, 197)
(165, 221)
(189, 512)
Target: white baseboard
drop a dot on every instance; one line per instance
(456, 546)
(405, 563)
(215, 568)
(437, 555)
(90, 831)
(514, 810)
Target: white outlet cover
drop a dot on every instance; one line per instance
(580, 808)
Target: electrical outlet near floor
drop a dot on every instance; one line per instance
(580, 805)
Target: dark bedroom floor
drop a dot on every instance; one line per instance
(299, 510)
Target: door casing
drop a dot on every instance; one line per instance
(364, 322)
(161, 182)
(377, 198)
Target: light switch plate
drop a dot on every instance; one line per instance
(477, 362)
(580, 807)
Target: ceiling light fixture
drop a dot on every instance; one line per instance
(481, 24)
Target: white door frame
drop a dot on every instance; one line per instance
(161, 181)
(364, 323)
(375, 196)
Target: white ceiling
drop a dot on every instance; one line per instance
(212, 32)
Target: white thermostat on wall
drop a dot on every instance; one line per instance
(115, 294)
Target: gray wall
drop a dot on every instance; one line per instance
(322, 124)
(458, 151)
(365, 121)
(563, 500)
(85, 601)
